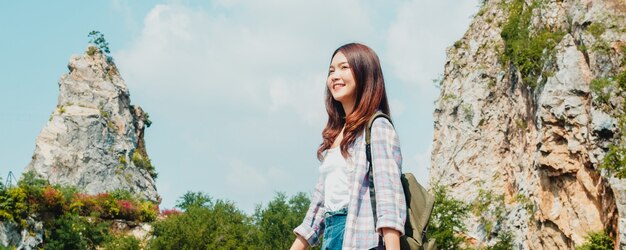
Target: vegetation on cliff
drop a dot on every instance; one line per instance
(528, 51)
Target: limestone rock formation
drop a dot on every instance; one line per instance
(518, 125)
(94, 137)
(27, 238)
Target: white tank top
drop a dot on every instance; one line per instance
(334, 169)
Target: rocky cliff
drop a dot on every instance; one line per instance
(94, 138)
(531, 102)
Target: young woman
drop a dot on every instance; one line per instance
(340, 207)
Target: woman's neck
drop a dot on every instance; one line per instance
(348, 108)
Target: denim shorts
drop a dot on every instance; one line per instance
(333, 232)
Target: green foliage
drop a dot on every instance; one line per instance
(194, 199)
(144, 162)
(596, 29)
(504, 241)
(219, 225)
(34, 196)
(489, 208)
(61, 109)
(104, 114)
(14, 206)
(615, 161)
(458, 44)
(30, 181)
(525, 201)
(277, 221)
(121, 194)
(122, 159)
(621, 80)
(147, 120)
(208, 223)
(598, 87)
(468, 112)
(597, 241)
(521, 124)
(71, 231)
(122, 243)
(528, 52)
(91, 50)
(447, 219)
(601, 46)
(97, 38)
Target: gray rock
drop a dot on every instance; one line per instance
(94, 138)
(25, 239)
(538, 148)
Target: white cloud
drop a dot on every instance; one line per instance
(397, 106)
(303, 95)
(417, 40)
(237, 59)
(422, 159)
(241, 177)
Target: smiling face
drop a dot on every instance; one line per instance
(341, 82)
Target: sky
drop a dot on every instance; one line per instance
(234, 88)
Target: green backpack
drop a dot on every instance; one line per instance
(418, 200)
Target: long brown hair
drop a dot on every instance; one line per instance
(370, 97)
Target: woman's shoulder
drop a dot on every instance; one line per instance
(382, 123)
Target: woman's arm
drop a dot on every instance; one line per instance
(392, 238)
(312, 226)
(299, 244)
(387, 168)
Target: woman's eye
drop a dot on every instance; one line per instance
(345, 67)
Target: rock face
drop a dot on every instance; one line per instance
(28, 238)
(532, 146)
(94, 138)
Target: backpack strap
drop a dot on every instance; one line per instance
(368, 152)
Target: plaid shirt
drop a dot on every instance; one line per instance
(390, 202)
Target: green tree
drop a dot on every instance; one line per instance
(194, 199)
(97, 38)
(447, 219)
(71, 231)
(277, 221)
(597, 241)
(122, 243)
(214, 225)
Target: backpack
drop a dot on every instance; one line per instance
(418, 200)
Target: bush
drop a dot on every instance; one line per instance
(194, 199)
(144, 162)
(615, 161)
(447, 219)
(218, 226)
(71, 231)
(14, 206)
(171, 212)
(527, 52)
(596, 29)
(123, 243)
(127, 210)
(121, 194)
(277, 221)
(597, 241)
(148, 211)
(598, 88)
(53, 200)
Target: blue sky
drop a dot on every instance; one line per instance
(234, 87)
